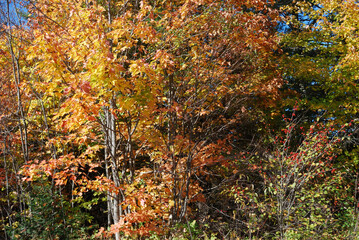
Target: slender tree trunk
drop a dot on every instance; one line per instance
(21, 119)
(113, 199)
(16, 75)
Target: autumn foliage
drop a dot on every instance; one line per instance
(163, 119)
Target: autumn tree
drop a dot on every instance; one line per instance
(320, 68)
(13, 115)
(161, 112)
(148, 91)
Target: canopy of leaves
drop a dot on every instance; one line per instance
(178, 118)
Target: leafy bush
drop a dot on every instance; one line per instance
(49, 216)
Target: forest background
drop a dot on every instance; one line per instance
(183, 119)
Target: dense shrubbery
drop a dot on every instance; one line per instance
(179, 119)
